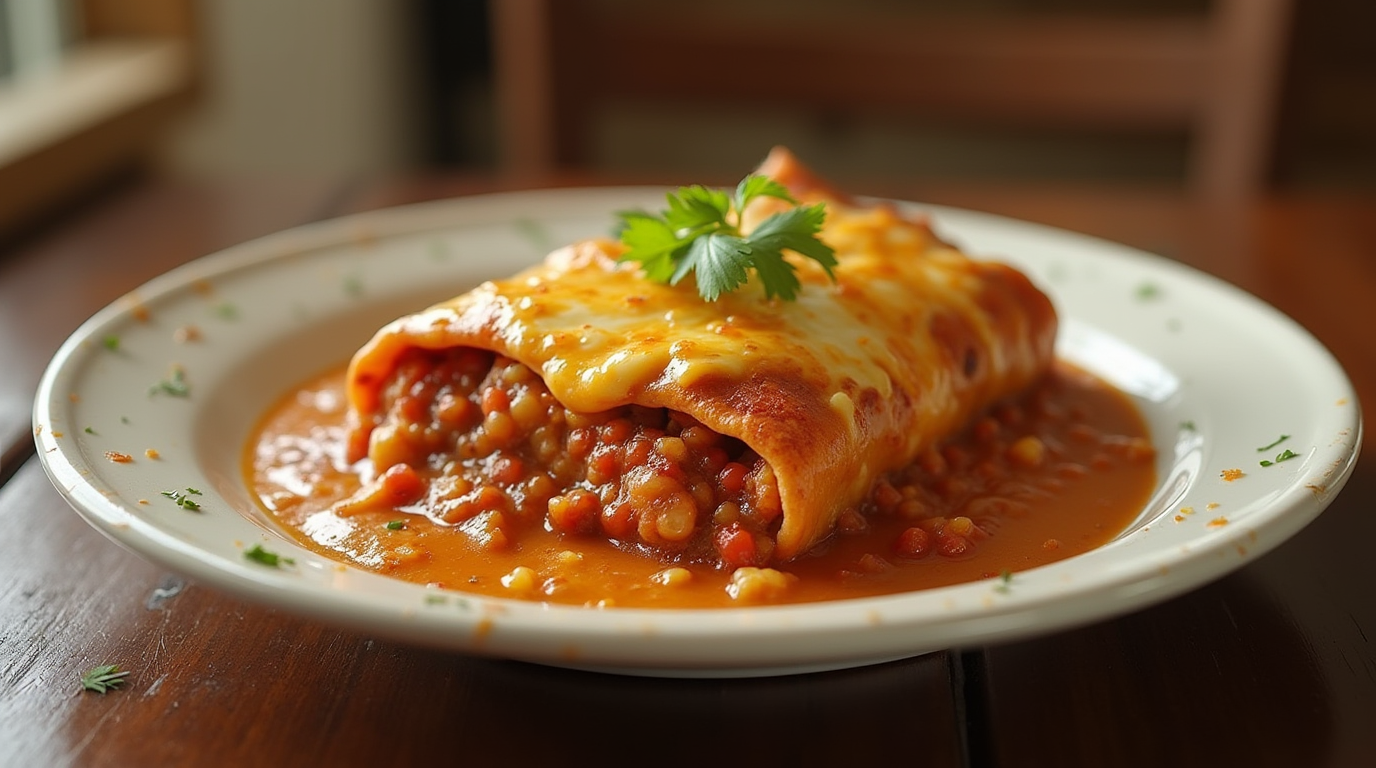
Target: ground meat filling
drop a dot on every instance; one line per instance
(474, 440)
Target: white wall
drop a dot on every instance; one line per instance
(300, 87)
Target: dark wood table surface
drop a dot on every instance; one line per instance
(1274, 664)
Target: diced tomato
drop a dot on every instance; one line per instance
(736, 546)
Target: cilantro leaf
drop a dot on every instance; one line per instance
(720, 262)
(754, 186)
(796, 230)
(103, 679)
(1285, 455)
(699, 234)
(175, 384)
(697, 206)
(262, 556)
(184, 500)
(653, 243)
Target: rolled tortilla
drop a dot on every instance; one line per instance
(854, 379)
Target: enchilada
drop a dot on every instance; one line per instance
(580, 398)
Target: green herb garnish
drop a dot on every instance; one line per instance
(111, 343)
(174, 385)
(1278, 441)
(183, 498)
(1285, 455)
(396, 525)
(89, 431)
(1005, 582)
(1148, 291)
(103, 679)
(257, 554)
(700, 233)
(227, 311)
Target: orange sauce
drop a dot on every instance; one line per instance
(1093, 478)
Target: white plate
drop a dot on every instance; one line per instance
(1218, 374)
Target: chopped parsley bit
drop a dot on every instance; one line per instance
(183, 498)
(700, 233)
(124, 419)
(227, 311)
(353, 285)
(1285, 455)
(111, 343)
(89, 431)
(1188, 426)
(436, 599)
(1278, 441)
(103, 679)
(1005, 582)
(257, 554)
(174, 385)
(1148, 291)
(396, 525)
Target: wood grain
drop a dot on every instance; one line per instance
(1272, 665)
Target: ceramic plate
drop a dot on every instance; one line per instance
(1219, 375)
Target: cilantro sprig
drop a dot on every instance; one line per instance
(175, 384)
(700, 233)
(103, 679)
(183, 498)
(1284, 455)
(258, 554)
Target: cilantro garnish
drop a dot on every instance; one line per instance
(1277, 442)
(111, 343)
(396, 525)
(174, 385)
(103, 679)
(1285, 455)
(183, 498)
(257, 554)
(1005, 582)
(700, 233)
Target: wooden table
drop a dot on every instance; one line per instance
(1272, 665)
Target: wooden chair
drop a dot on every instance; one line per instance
(1214, 76)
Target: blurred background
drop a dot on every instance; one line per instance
(1225, 98)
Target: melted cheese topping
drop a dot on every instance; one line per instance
(854, 378)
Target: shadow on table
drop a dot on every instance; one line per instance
(1268, 666)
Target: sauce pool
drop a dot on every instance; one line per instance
(1060, 471)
